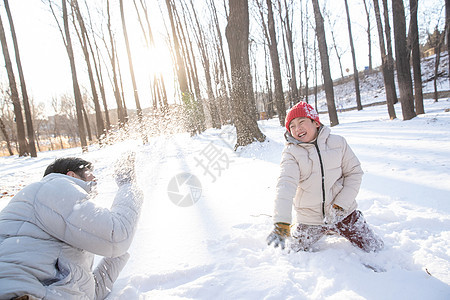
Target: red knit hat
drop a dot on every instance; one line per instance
(301, 109)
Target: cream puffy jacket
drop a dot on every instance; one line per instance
(300, 184)
(49, 233)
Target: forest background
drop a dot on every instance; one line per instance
(85, 72)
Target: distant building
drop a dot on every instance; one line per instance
(429, 52)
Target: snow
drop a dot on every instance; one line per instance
(216, 249)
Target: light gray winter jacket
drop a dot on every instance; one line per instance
(300, 181)
(49, 233)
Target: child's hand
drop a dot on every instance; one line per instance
(279, 235)
(336, 214)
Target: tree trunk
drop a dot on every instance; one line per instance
(130, 65)
(5, 134)
(414, 42)
(180, 67)
(76, 88)
(189, 55)
(304, 34)
(269, 106)
(279, 97)
(225, 83)
(200, 39)
(290, 43)
(187, 96)
(86, 121)
(440, 41)
(102, 93)
(355, 69)
(112, 58)
(98, 73)
(84, 45)
(26, 104)
(402, 62)
(288, 69)
(389, 90)
(121, 91)
(237, 33)
(369, 36)
(23, 147)
(390, 55)
(324, 59)
(315, 75)
(163, 91)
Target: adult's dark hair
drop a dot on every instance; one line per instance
(66, 164)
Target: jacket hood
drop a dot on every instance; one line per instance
(85, 185)
(291, 140)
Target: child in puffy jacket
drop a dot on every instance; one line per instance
(320, 176)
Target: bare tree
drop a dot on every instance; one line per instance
(334, 45)
(279, 97)
(179, 62)
(324, 59)
(186, 71)
(204, 55)
(369, 36)
(402, 61)
(438, 45)
(413, 38)
(224, 78)
(189, 57)
(98, 70)
(26, 104)
(121, 90)
(180, 66)
(23, 147)
(83, 37)
(237, 33)
(315, 74)
(304, 33)
(130, 65)
(287, 22)
(76, 88)
(6, 136)
(86, 119)
(286, 59)
(389, 89)
(268, 80)
(355, 69)
(390, 55)
(121, 113)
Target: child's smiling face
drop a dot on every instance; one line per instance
(304, 129)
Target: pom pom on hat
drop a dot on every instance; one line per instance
(301, 109)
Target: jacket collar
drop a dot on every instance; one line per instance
(85, 185)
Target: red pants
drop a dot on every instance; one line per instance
(354, 228)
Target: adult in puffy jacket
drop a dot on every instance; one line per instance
(320, 177)
(51, 230)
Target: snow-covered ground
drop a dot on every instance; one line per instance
(216, 249)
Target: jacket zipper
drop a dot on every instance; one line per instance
(323, 179)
